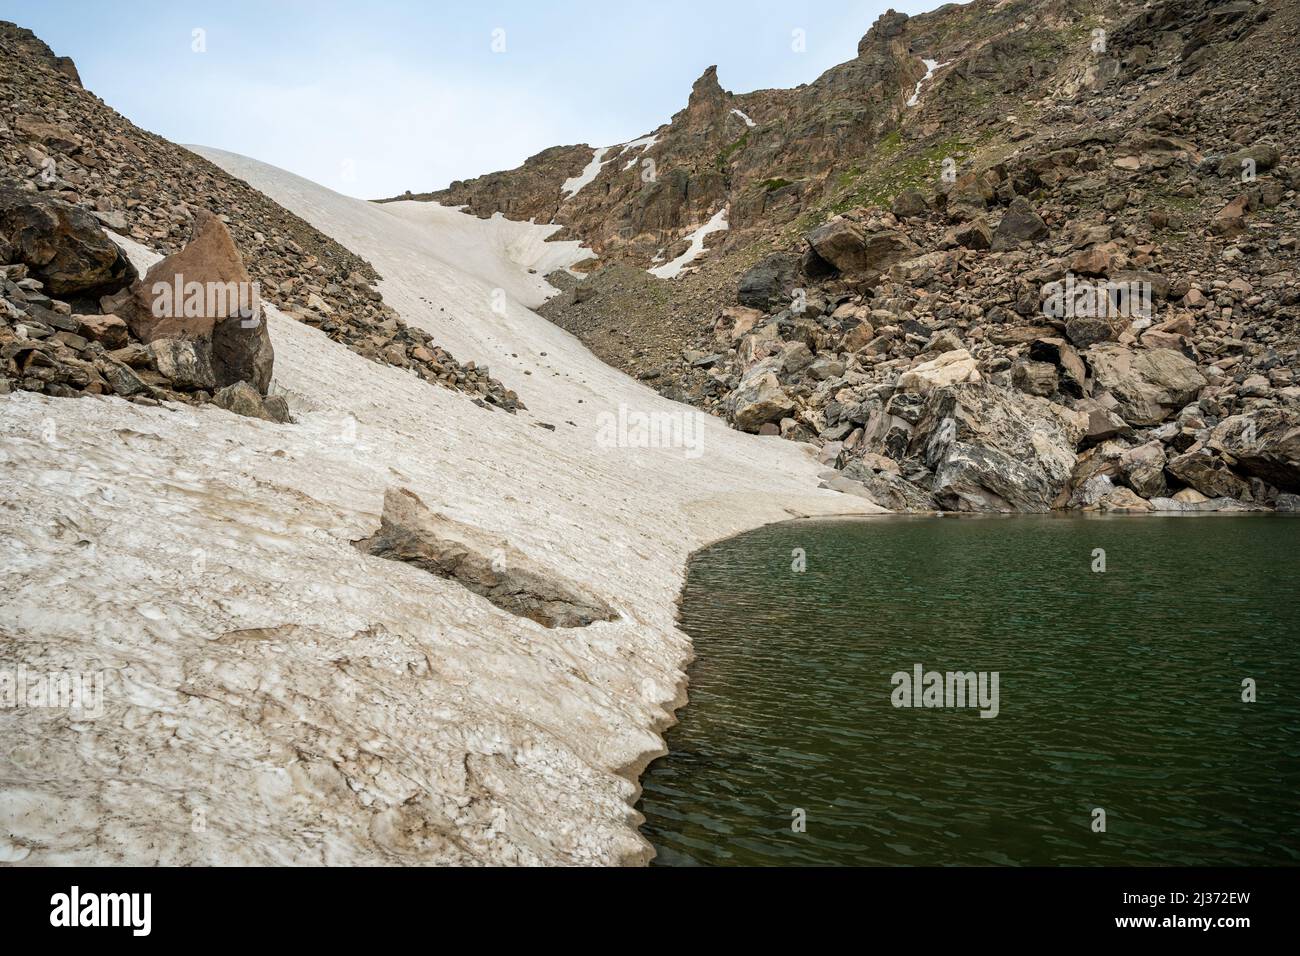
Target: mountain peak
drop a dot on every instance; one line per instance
(887, 27)
(706, 87)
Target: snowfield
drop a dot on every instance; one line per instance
(744, 117)
(271, 695)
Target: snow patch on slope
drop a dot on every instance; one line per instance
(748, 122)
(575, 185)
(930, 67)
(671, 270)
(643, 145)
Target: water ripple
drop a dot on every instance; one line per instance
(1119, 690)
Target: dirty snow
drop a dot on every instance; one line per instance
(930, 67)
(642, 145)
(671, 270)
(575, 185)
(273, 696)
(748, 122)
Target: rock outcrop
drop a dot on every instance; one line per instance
(1123, 250)
(203, 294)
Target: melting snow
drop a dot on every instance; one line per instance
(573, 186)
(643, 144)
(930, 67)
(670, 270)
(748, 122)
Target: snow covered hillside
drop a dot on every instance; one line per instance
(273, 695)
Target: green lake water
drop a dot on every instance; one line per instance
(1119, 690)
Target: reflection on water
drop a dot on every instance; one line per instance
(1118, 690)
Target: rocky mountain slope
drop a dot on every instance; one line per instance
(939, 220)
(62, 148)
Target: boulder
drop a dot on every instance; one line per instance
(1086, 330)
(1208, 474)
(1072, 373)
(242, 399)
(485, 563)
(1231, 219)
(1263, 155)
(992, 449)
(184, 363)
(108, 330)
(737, 321)
(769, 284)
(1036, 378)
(1101, 422)
(1143, 469)
(795, 357)
(950, 368)
(1124, 501)
(242, 352)
(1148, 385)
(203, 293)
(886, 489)
(63, 245)
(908, 204)
(859, 336)
(846, 246)
(974, 234)
(1264, 444)
(1020, 222)
(760, 399)
(863, 490)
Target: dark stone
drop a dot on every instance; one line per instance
(1020, 222)
(63, 245)
(769, 284)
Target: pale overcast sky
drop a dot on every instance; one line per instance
(372, 98)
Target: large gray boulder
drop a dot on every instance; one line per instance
(759, 400)
(1265, 444)
(486, 564)
(770, 283)
(993, 449)
(848, 247)
(1148, 385)
(1143, 469)
(1020, 222)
